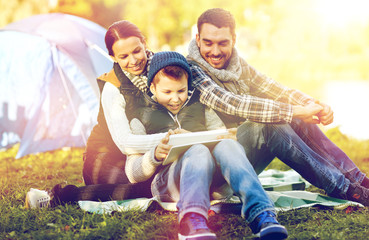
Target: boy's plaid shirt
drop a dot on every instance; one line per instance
(252, 108)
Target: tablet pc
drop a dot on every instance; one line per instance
(181, 142)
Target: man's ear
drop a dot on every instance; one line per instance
(152, 89)
(234, 40)
(198, 39)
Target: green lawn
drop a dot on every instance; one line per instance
(44, 170)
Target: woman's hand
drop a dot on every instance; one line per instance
(179, 131)
(162, 150)
(232, 134)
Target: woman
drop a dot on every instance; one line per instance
(111, 139)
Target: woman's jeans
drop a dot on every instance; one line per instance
(305, 149)
(199, 172)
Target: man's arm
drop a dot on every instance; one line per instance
(263, 86)
(304, 106)
(249, 107)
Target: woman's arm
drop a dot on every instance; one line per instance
(113, 104)
(140, 167)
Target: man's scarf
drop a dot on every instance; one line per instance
(231, 73)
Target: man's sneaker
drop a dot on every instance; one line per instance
(194, 226)
(358, 193)
(37, 199)
(265, 226)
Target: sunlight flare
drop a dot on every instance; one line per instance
(340, 13)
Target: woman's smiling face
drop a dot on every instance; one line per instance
(130, 54)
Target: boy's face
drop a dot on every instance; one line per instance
(170, 93)
(130, 54)
(215, 44)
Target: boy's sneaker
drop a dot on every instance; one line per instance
(37, 198)
(265, 226)
(358, 193)
(194, 226)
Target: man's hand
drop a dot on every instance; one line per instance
(326, 115)
(308, 113)
(162, 150)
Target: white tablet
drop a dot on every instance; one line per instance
(181, 142)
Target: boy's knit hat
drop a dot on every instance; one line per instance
(161, 60)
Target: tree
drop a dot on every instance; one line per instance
(14, 10)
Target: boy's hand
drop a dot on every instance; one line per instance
(232, 134)
(162, 150)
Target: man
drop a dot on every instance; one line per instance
(274, 121)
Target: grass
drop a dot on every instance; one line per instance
(44, 170)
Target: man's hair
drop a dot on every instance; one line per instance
(173, 72)
(217, 17)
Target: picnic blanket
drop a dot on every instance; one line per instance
(285, 188)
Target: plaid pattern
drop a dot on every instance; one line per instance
(250, 107)
(251, 95)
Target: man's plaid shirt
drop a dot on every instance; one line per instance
(268, 101)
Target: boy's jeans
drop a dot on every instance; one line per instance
(198, 172)
(305, 149)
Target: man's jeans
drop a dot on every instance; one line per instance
(196, 174)
(305, 149)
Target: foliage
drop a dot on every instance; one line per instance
(44, 170)
(295, 42)
(18, 9)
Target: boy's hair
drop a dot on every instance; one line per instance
(219, 18)
(173, 64)
(173, 72)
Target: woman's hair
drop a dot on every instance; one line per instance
(119, 30)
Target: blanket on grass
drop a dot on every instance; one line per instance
(285, 188)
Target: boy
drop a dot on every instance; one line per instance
(174, 108)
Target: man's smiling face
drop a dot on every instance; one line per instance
(215, 44)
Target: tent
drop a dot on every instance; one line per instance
(49, 97)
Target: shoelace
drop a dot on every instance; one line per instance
(266, 217)
(365, 194)
(198, 222)
(360, 193)
(43, 201)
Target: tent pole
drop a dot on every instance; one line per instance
(69, 96)
(98, 49)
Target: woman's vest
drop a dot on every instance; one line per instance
(139, 105)
(100, 139)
